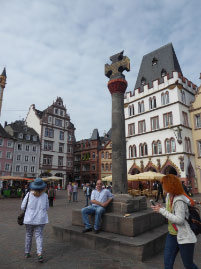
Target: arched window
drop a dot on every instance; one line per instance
(183, 97)
(130, 152)
(162, 98)
(156, 147)
(102, 166)
(110, 166)
(186, 144)
(189, 145)
(167, 98)
(152, 102)
(141, 149)
(106, 167)
(173, 145)
(134, 150)
(142, 106)
(131, 110)
(102, 154)
(167, 146)
(163, 72)
(145, 151)
(159, 147)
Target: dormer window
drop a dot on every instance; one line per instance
(143, 81)
(20, 135)
(27, 137)
(56, 111)
(163, 73)
(154, 61)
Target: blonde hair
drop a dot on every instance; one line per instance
(38, 193)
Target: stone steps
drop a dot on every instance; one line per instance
(139, 248)
(133, 225)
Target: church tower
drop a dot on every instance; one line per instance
(2, 86)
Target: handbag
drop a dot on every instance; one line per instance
(20, 218)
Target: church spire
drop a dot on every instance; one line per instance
(3, 78)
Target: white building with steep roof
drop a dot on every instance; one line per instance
(158, 127)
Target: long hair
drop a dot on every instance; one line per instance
(38, 193)
(172, 185)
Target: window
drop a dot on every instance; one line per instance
(199, 148)
(93, 155)
(183, 97)
(27, 137)
(141, 107)
(8, 155)
(110, 166)
(18, 157)
(154, 123)
(143, 149)
(49, 132)
(27, 147)
(187, 145)
(143, 81)
(70, 138)
(56, 111)
(93, 167)
(19, 146)
(152, 102)
(131, 129)
(173, 145)
(48, 145)
(134, 150)
(131, 110)
(162, 98)
(25, 168)
(66, 123)
(167, 100)
(154, 61)
(26, 158)
(49, 119)
(106, 155)
(163, 72)
(58, 122)
(102, 166)
(60, 161)
(0, 154)
(61, 147)
(17, 168)
(1, 141)
(61, 113)
(141, 127)
(102, 154)
(167, 146)
(7, 167)
(130, 152)
(61, 135)
(34, 148)
(167, 119)
(32, 169)
(47, 159)
(170, 145)
(10, 144)
(69, 164)
(106, 166)
(197, 121)
(185, 118)
(20, 135)
(33, 158)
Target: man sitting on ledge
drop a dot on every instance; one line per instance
(100, 199)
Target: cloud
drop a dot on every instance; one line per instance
(59, 48)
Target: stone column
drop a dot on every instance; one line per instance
(117, 88)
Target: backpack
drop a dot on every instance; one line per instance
(194, 220)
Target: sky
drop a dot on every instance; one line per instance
(56, 48)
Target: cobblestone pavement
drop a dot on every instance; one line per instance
(59, 254)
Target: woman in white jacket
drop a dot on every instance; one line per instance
(35, 216)
(180, 236)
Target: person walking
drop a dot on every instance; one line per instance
(69, 190)
(160, 192)
(51, 195)
(100, 199)
(180, 236)
(35, 216)
(75, 190)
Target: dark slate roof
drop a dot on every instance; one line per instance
(3, 133)
(166, 59)
(39, 113)
(4, 72)
(95, 135)
(19, 127)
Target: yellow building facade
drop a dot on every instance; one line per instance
(106, 160)
(195, 114)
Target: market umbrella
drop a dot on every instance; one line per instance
(146, 176)
(109, 178)
(52, 178)
(12, 178)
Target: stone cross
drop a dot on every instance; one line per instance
(118, 65)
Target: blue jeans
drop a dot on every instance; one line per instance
(74, 196)
(88, 199)
(171, 250)
(91, 210)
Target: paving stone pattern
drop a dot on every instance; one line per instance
(58, 255)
